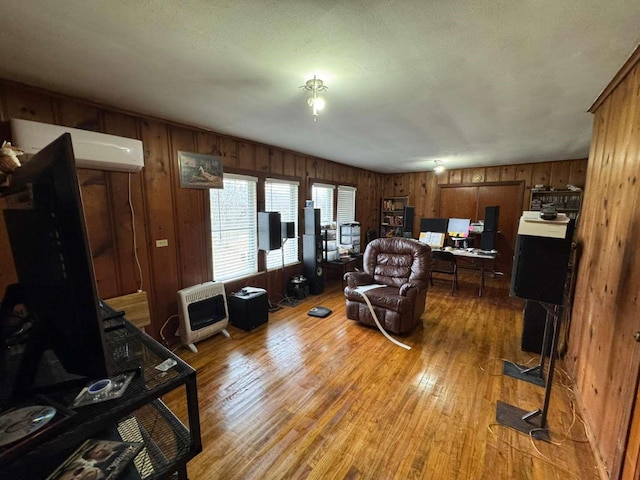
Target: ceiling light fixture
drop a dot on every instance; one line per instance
(316, 103)
(439, 168)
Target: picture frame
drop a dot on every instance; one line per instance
(198, 170)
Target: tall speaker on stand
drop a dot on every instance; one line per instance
(488, 236)
(540, 268)
(312, 251)
(288, 231)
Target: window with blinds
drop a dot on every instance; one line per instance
(234, 232)
(346, 205)
(282, 196)
(322, 196)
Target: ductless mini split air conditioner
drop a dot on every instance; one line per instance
(94, 150)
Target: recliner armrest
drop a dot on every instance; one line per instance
(356, 279)
(404, 289)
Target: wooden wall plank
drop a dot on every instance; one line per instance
(603, 358)
(492, 174)
(26, 103)
(262, 158)
(229, 152)
(189, 213)
(276, 161)
(289, 164)
(119, 184)
(508, 173)
(560, 174)
(246, 157)
(455, 177)
(578, 174)
(161, 222)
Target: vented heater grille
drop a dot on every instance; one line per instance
(203, 311)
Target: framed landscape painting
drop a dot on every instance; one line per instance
(200, 171)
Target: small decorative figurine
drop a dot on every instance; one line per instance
(8, 161)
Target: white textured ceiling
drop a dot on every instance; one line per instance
(470, 82)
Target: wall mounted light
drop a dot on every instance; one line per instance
(316, 103)
(439, 168)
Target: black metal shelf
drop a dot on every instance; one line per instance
(169, 444)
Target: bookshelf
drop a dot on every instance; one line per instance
(396, 217)
(565, 201)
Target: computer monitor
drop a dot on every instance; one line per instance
(46, 227)
(434, 225)
(459, 227)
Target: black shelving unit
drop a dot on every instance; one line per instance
(139, 415)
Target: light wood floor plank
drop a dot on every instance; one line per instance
(310, 398)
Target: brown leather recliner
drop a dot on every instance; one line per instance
(402, 264)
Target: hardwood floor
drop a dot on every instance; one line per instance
(305, 397)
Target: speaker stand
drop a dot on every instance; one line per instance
(286, 301)
(534, 374)
(534, 423)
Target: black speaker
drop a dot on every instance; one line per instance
(288, 230)
(491, 218)
(269, 231)
(535, 316)
(490, 229)
(540, 267)
(407, 230)
(312, 262)
(488, 240)
(312, 221)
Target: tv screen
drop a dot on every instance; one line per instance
(46, 227)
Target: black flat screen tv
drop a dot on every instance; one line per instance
(45, 223)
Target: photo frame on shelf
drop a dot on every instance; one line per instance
(198, 170)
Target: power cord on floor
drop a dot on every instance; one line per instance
(541, 456)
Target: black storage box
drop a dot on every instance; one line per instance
(248, 308)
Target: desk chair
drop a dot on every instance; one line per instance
(444, 262)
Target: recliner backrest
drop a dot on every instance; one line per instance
(397, 260)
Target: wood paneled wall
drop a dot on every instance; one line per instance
(163, 210)
(422, 187)
(603, 357)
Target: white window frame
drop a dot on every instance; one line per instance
(322, 196)
(346, 210)
(234, 229)
(284, 198)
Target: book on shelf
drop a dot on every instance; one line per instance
(99, 459)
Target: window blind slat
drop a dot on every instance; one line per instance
(282, 196)
(234, 228)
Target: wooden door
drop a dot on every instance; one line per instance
(508, 198)
(470, 202)
(459, 202)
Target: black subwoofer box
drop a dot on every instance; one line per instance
(249, 310)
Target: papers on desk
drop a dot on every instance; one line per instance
(433, 239)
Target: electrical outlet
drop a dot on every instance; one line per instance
(162, 243)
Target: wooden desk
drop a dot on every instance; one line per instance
(470, 257)
(344, 266)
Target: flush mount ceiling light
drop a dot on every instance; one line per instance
(316, 103)
(439, 168)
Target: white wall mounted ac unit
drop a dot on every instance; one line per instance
(98, 151)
